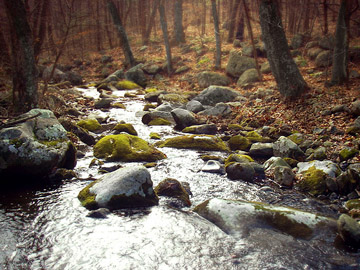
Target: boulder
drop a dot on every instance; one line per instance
(239, 142)
(284, 176)
(324, 59)
(83, 134)
(213, 166)
(207, 78)
(262, 150)
(136, 75)
(249, 76)
(183, 118)
(312, 53)
(209, 129)
(125, 147)
(103, 103)
(355, 108)
(57, 77)
(265, 68)
(349, 230)
(159, 122)
(240, 171)
(327, 42)
(127, 187)
(126, 85)
(89, 124)
(194, 106)
(73, 77)
(242, 218)
(274, 162)
(126, 127)
(284, 147)
(35, 148)
(215, 94)
(153, 96)
(220, 109)
(148, 117)
(238, 158)
(199, 142)
(173, 188)
(152, 69)
(172, 98)
(297, 41)
(238, 64)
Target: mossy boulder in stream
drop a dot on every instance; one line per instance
(172, 188)
(125, 147)
(89, 124)
(241, 217)
(199, 142)
(124, 188)
(127, 85)
(125, 127)
(239, 142)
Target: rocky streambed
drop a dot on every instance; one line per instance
(212, 201)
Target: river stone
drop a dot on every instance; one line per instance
(349, 230)
(240, 171)
(215, 94)
(103, 103)
(165, 107)
(327, 166)
(213, 166)
(194, 106)
(172, 98)
(136, 75)
(284, 147)
(220, 109)
(207, 78)
(127, 127)
(183, 118)
(209, 129)
(249, 76)
(170, 187)
(83, 134)
(284, 176)
(124, 188)
(125, 147)
(149, 116)
(262, 150)
(199, 142)
(274, 162)
(241, 218)
(238, 64)
(238, 158)
(35, 148)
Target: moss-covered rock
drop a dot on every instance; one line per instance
(235, 127)
(155, 136)
(239, 142)
(238, 158)
(199, 142)
(241, 217)
(172, 98)
(313, 182)
(89, 124)
(159, 122)
(118, 105)
(124, 188)
(127, 85)
(172, 188)
(129, 95)
(348, 153)
(149, 106)
(128, 128)
(124, 147)
(349, 230)
(297, 138)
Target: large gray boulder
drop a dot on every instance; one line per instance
(284, 147)
(194, 106)
(136, 75)
(249, 76)
(240, 171)
(57, 77)
(263, 150)
(183, 118)
(35, 148)
(124, 188)
(207, 78)
(220, 109)
(349, 230)
(238, 64)
(215, 94)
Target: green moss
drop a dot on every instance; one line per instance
(89, 124)
(159, 122)
(150, 90)
(238, 158)
(126, 85)
(200, 142)
(235, 127)
(253, 136)
(155, 136)
(239, 142)
(173, 98)
(128, 128)
(125, 147)
(150, 165)
(87, 198)
(149, 106)
(118, 105)
(314, 182)
(348, 153)
(129, 95)
(353, 204)
(16, 142)
(54, 143)
(210, 157)
(292, 162)
(297, 138)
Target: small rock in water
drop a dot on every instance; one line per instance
(99, 213)
(213, 166)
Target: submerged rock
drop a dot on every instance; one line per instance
(36, 147)
(124, 188)
(241, 217)
(125, 147)
(173, 188)
(199, 142)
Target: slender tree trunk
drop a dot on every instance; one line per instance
(165, 34)
(24, 68)
(233, 20)
(217, 35)
(246, 11)
(5, 60)
(287, 75)
(151, 22)
(325, 13)
(203, 24)
(40, 36)
(129, 58)
(98, 27)
(341, 50)
(240, 28)
(178, 22)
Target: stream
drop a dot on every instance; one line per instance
(47, 228)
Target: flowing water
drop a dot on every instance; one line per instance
(47, 228)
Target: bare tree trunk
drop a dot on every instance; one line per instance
(5, 60)
(341, 50)
(203, 27)
(24, 68)
(40, 36)
(217, 35)
(129, 58)
(325, 11)
(287, 75)
(151, 23)
(178, 22)
(233, 20)
(240, 28)
(251, 37)
(166, 36)
(98, 27)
